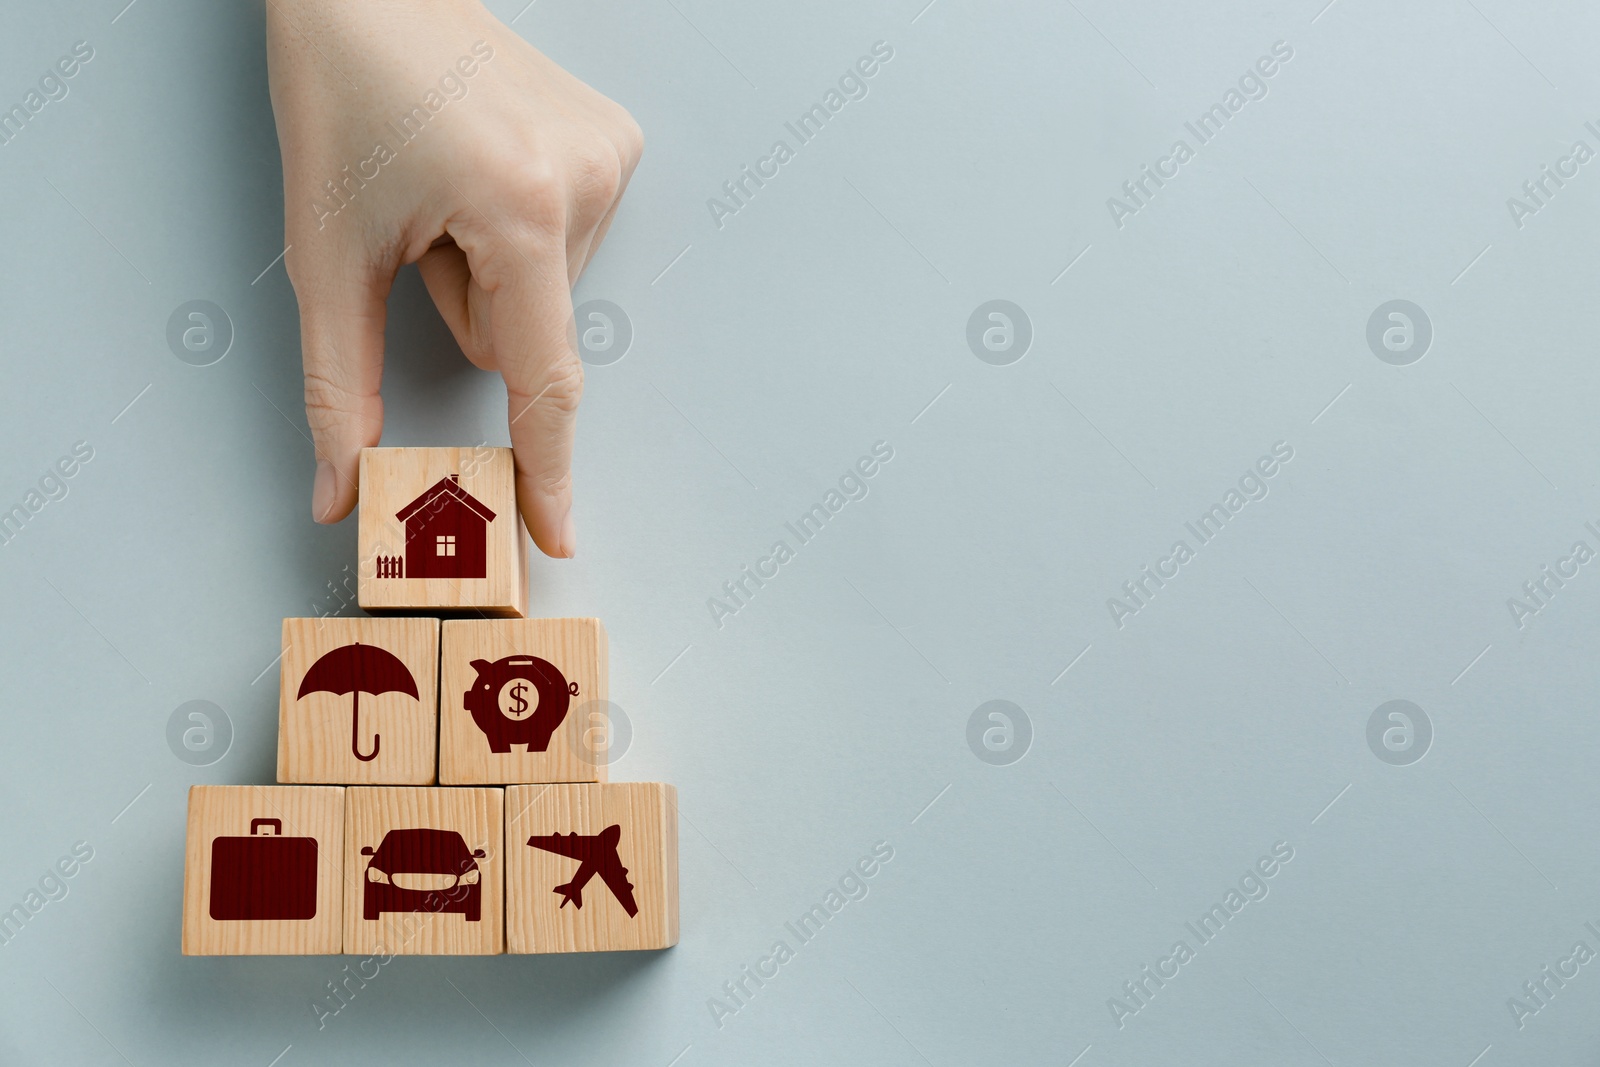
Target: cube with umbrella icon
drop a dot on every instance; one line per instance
(383, 673)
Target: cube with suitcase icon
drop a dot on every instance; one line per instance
(522, 700)
(358, 701)
(263, 870)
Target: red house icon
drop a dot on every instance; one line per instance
(447, 529)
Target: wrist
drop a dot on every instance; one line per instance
(354, 10)
(321, 16)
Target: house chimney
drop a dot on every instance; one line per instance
(456, 478)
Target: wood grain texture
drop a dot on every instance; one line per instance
(391, 479)
(575, 751)
(226, 811)
(314, 742)
(537, 920)
(434, 918)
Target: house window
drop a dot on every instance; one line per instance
(444, 545)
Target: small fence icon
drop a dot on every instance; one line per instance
(391, 567)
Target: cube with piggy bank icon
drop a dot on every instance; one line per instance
(523, 701)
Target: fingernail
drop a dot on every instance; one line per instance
(569, 536)
(323, 491)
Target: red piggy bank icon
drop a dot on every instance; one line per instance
(500, 704)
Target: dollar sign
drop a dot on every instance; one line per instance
(518, 705)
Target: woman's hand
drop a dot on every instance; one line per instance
(426, 131)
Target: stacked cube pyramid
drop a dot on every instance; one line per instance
(442, 763)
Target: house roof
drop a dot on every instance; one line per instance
(451, 488)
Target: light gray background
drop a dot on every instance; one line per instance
(831, 713)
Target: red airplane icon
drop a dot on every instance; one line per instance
(597, 854)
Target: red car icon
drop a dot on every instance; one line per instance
(422, 870)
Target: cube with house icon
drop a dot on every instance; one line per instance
(439, 531)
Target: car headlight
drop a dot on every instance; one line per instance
(470, 878)
(375, 875)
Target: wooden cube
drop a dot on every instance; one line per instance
(609, 849)
(517, 698)
(358, 701)
(263, 870)
(424, 871)
(439, 530)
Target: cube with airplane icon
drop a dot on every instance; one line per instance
(591, 867)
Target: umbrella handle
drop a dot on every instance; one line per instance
(355, 731)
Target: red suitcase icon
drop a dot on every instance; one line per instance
(263, 876)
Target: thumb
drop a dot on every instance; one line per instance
(535, 347)
(342, 305)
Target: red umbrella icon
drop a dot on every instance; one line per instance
(357, 669)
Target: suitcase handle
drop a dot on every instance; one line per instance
(276, 824)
